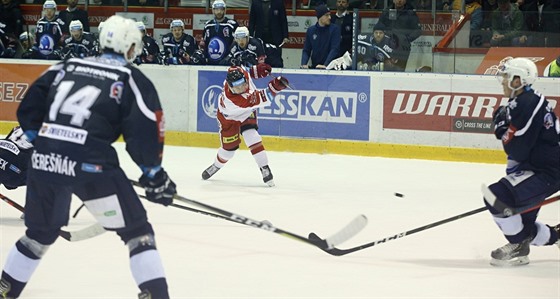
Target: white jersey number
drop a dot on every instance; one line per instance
(77, 104)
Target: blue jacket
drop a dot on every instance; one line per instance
(321, 44)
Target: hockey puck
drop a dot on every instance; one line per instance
(399, 194)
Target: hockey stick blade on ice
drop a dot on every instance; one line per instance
(350, 230)
(73, 236)
(339, 252)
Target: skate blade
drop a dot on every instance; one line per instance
(270, 183)
(518, 261)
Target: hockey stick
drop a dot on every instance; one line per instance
(72, 236)
(339, 252)
(350, 230)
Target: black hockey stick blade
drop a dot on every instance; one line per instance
(73, 236)
(340, 252)
(350, 230)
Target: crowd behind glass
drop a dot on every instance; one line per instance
(64, 30)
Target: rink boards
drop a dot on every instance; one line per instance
(413, 115)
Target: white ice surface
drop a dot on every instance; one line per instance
(206, 257)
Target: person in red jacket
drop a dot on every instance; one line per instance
(237, 115)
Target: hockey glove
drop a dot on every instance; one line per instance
(501, 120)
(260, 70)
(159, 188)
(277, 84)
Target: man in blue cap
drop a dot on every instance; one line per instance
(322, 41)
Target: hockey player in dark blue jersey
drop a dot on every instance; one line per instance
(218, 34)
(376, 51)
(245, 50)
(528, 130)
(73, 113)
(48, 36)
(150, 48)
(178, 47)
(15, 151)
(79, 44)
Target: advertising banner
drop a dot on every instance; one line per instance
(319, 106)
(15, 80)
(443, 111)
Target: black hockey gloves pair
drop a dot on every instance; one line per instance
(501, 120)
(159, 188)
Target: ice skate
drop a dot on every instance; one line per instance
(209, 172)
(511, 254)
(267, 175)
(5, 287)
(145, 294)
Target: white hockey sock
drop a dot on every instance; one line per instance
(146, 266)
(543, 234)
(19, 266)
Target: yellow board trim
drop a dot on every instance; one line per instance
(342, 147)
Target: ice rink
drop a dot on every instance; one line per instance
(206, 257)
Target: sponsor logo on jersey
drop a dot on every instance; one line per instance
(46, 44)
(15, 169)
(63, 133)
(54, 163)
(216, 48)
(116, 91)
(3, 164)
(7, 145)
(210, 99)
(93, 72)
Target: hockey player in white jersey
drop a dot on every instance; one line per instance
(237, 115)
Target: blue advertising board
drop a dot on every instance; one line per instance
(319, 106)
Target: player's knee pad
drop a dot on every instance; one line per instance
(503, 193)
(251, 137)
(138, 239)
(31, 248)
(43, 237)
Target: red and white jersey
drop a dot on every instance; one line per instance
(240, 106)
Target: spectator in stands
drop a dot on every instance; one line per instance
(343, 18)
(507, 23)
(150, 49)
(488, 7)
(268, 21)
(551, 23)
(11, 16)
(322, 40)
(71, 13)
(403, 26)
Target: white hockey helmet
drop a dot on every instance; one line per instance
(100, 26)
(218, 4)
(119, 34)
(25, 36)
(176, 23)
(141, 26)
(75, 25)
(520, 67)
(49, 4)
(241, 32)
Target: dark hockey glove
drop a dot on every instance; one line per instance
(277, 84)
(260, 70)
(501, 120)
(159, 188)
